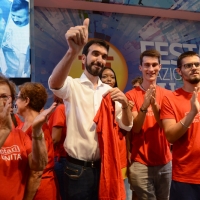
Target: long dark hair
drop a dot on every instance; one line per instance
(100, 75)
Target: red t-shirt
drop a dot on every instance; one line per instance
(186, 150)
(48, 185)
(14, 165)
(58, 118)
(150, 146)
(111, 182)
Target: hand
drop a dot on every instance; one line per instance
(194, 101)
(117, 95)
(153, 94)
(131, 104)
(77, 36)
(42, 117)
(5, 111)
(149, 97)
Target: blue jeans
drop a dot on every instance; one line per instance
(184, 191)
(82, 183)
(60, 171)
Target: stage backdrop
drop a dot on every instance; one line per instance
(128, 36)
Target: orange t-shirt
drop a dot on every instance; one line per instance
(14, 165)
(186, 150)
(150, 146)
(111, 184)
(58, 118)
(48, 185)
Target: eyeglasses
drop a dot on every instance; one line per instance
(190, 65)
(5, 97)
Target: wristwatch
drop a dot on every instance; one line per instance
(142, 110)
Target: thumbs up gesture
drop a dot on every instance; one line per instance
(77, 36)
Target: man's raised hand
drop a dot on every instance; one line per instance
(77, 36)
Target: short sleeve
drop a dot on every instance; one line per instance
(167, 111)
(59, 117)
(63, 92)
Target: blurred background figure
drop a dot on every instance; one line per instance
(17, 30)
(137, 81)
(30, 101)
(108, 76)
(57, 126)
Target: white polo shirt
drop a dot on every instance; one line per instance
(82, 102)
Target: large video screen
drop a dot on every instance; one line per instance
(15, 38)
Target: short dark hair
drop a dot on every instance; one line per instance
(184, 55)
(11, 85)
(19, 4)
(150, 53)
(37, 94)
(100, 75)
(94, 41)
(138, 79)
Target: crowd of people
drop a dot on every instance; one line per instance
(94, 136)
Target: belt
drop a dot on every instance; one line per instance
(92, 164)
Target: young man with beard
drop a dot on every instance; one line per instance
(181, 123)
(15, 43)
(83, 98)
(150, 170)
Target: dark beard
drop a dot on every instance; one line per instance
(96, 71)
(194, 81)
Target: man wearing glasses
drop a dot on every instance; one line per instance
(150, 170)
(181, 123)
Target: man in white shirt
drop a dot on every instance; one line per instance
(82, 98)
(15, 45)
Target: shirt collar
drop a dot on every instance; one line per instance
(84, 78)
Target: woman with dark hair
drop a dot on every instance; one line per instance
(30, 101)
(108, 76)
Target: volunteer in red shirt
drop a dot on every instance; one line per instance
(150, 171)
(57, 126)
(18, 154)
(30, 101)
(180, 114)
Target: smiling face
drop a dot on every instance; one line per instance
(108, 77)
(150, 68)
(192, 74)
(95, 59)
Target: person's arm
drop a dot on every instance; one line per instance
(155, 106)
(175, 130)
(33, 184)
(76, 38)
(140, 115)
(38, 158)
(5, 120)
(56, 134)
(118, 95)
(156, 111)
